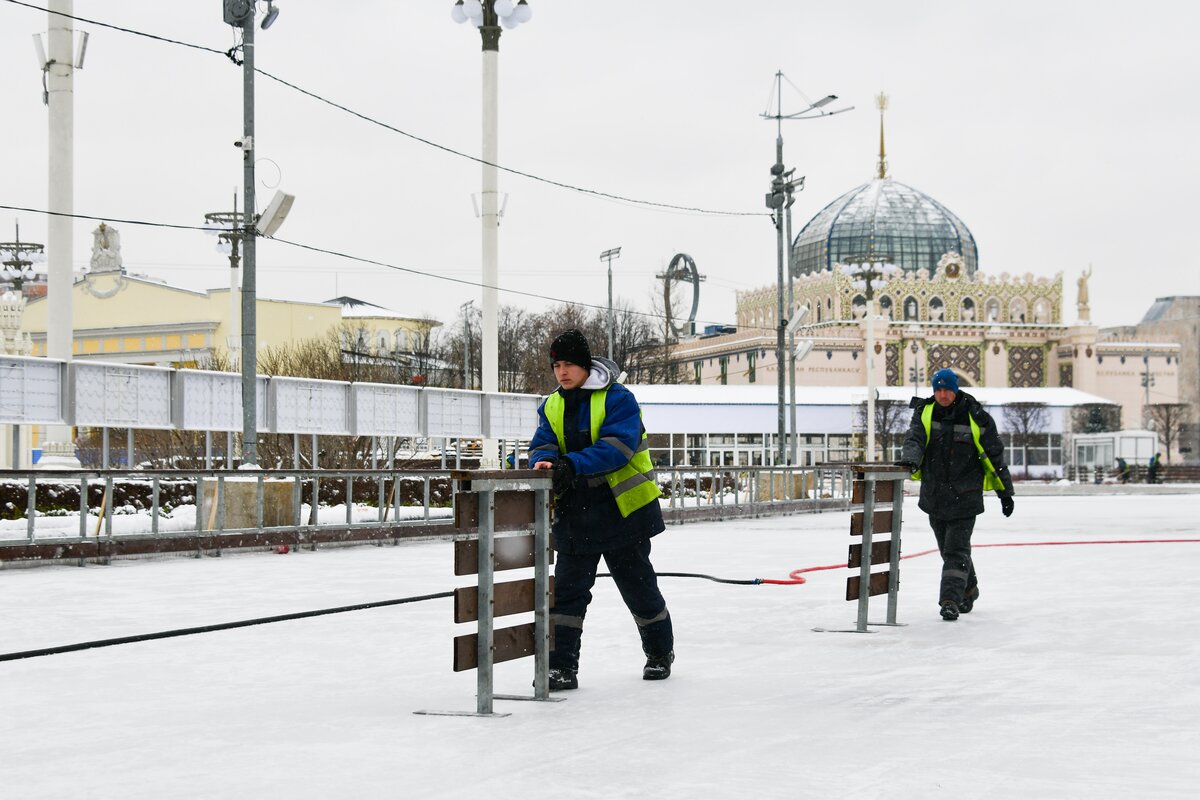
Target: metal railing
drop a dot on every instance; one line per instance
(228, 502)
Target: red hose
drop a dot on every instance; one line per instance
(795, 575)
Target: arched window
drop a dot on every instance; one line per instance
(937, 309)
(911, 309)
(885, 306)
(1041, 311)
(401, 340)
(1016, 310)
(968, 310)
(859, 305)
(383, 340)
(992, 310)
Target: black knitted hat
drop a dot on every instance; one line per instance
(571, 346)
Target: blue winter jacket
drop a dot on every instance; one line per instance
(586, 519)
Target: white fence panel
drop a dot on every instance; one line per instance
(119, 395)
(511, 416)
(303, 405)
(378, 409)
(212, 401)
(451, 412)
(31, 390)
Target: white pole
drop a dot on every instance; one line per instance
(491, 224)
(58, 450)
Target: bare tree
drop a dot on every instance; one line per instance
(1026, 423)
(1168, 420)
(892, 418)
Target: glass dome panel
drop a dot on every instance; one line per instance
(884, 219)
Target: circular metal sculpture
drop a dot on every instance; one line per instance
(680, 272)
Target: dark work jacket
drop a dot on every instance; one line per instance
(586, 519)
(951, 471)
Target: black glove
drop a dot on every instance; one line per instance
(564, 476)
(1006, 503)
(908, 465)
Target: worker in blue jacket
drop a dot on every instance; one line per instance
(590, 434)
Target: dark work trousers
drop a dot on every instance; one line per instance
(954, 543)
(632, 572)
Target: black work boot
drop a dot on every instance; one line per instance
(658, 668)
(968, 601)
(563, 679)
(949, 610)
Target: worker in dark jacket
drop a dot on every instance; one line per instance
(590, 434)
(953, 448)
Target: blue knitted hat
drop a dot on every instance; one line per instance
(945, 379)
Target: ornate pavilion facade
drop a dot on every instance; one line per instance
(937, 309)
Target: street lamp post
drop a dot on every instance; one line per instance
(18, 259)
(488, 16)
(465, 308)
(870, 273)
(779, 200)
(609, 255)
(227, 227)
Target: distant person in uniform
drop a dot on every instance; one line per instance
(1152, 468)
(590, 434)
(954, 450)
(1122, 470)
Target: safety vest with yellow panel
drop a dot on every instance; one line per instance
(991, 481)
(632, 485)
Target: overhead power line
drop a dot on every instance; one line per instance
(428, 142)
(364, 260)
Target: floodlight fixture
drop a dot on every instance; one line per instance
(276, 213)
(272, 14)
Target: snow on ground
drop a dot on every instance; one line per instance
(1075, 677)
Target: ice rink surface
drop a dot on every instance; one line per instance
(1076, 676)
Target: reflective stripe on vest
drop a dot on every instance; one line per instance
(991, 481)
(633, 484)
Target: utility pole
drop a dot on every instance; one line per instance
(249, 252)
(609, 255)
(779, 200)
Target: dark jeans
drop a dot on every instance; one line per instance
(632, 572)
(954, 543)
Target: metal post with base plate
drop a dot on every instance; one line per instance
(874, 483)
(506, 502)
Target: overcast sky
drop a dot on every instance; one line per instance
(1061, 133)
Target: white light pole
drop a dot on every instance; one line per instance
(609, 255)
(58, 450)
(488, 16)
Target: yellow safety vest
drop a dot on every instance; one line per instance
(991, 481)
(632, 485)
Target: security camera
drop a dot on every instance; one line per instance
(245, 143)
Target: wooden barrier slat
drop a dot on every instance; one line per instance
(509, 643)
(508, 552)
(512, 597)
(882, 522)
(514, 511)
(881, 553)
(877, 585)
(884, 492)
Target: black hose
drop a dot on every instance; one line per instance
(224, 626)
(750, 582)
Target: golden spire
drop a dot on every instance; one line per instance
(881, 102)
